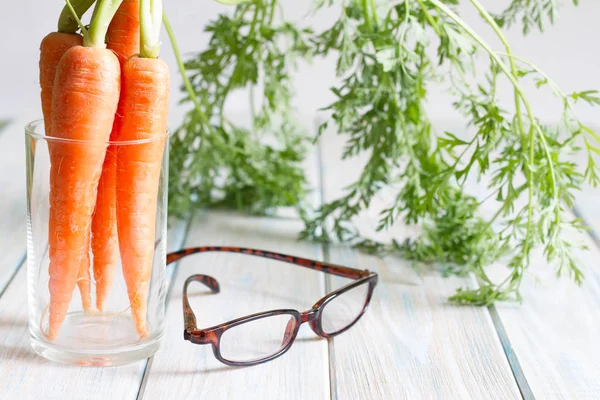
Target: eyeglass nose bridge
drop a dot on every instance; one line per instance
(309, 316)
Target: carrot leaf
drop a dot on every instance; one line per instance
(229, 165)
(70, 17)
(386, 65)
(4, 124)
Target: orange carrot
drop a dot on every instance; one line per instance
(145, 96)
(52, 48)
(84, 101)
(84, 279)
(105, 245)
(124, 39)
(124, 30)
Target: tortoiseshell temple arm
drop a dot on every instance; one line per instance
(188, 314)
(333, 269)
(206, 280)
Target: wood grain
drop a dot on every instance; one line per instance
(411, 343)
(25, 375)
(248, 285)
(13, 208)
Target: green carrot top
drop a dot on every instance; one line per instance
(151, 12)
(150, 23)
(103, 14)
(67, 22)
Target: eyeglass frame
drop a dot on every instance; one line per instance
(212, 335)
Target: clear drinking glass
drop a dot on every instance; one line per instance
(88, 337)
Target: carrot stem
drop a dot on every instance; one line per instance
(103, 14)
(69, 20)
(186, 80)
(150, 23)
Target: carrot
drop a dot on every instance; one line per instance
(52, 48)
(145, 99)
(105, 246)
(84, 279)
(124, 30)
(124, 39)
(85, 97)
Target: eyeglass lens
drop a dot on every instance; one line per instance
(343, 310)
(257, 339)
(261, 338)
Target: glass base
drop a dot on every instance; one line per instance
(96, 340)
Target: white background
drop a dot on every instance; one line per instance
(569, 52)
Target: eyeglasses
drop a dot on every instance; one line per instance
(261, 337)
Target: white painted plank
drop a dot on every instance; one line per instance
(554, 333)
(411, 343)
(248, 285)
(25, 375)
(13, 208)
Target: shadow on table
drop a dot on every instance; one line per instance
(225, 368)
(206, 371)
(314, 338)
(20, 353)
(9, 323)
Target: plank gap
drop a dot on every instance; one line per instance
(330, 342)
(172, 279)
(144, 380)
(11, 278)
(325, 252)
(509, 353)
(511, 356)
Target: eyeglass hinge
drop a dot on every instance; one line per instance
(197, 337)
(187, 335)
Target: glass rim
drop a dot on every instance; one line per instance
(32, 127)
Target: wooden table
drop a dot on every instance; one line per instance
(411, 344)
